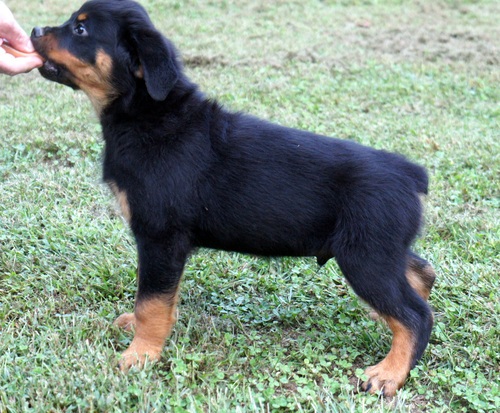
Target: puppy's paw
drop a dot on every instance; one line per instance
(138, 353)
(384, 378)
(126, 321)
(374, 315)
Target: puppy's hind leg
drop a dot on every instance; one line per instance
(420, 276)
(380, 280)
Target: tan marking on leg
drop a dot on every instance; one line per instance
(421, 278)
(390, 374)
(154, 319)
(126, 321)
(417, 283)
(121, 197)
(374, 315)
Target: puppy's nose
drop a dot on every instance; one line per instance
(37, 32)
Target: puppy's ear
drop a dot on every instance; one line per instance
(154, 57)
(158, 61)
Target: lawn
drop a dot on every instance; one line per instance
(271, 335)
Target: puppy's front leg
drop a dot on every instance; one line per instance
(159, 273)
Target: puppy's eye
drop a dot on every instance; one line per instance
(80, 30)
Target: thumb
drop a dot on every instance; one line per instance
(19, 39)
(12, 31)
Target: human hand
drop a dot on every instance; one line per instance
(18, 40)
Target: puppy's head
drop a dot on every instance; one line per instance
(108, 49)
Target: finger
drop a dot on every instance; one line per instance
(20, 40)
(14, 66)
(16, 53)
(13, 32)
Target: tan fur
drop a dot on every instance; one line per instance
(126, 321)
(418, 284)
(139, 73)
(390, 374)
(121, 198)
(152, 320)
(94, 80)
(421, 280)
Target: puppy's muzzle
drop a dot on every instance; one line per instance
(38, 32)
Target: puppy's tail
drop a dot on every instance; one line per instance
(410, 170)
(419, 175)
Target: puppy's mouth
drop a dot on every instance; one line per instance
(55, 72)
(51, 70)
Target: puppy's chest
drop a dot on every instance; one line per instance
(151, 194)
(154, 182)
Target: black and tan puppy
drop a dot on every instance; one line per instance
(187, 174)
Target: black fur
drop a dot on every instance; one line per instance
(197, 175)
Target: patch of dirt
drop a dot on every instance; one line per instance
(429, 32)
(202, 61)
(441, 32)
(431, 44)
(426, 32)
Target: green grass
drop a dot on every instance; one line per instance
(256, 334)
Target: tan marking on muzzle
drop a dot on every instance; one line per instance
(93, 79)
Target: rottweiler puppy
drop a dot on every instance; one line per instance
(189, 173)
